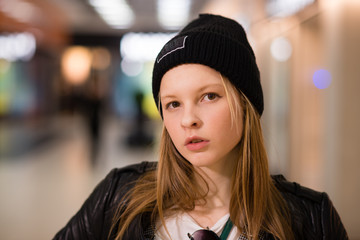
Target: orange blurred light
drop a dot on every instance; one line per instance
(101, 58)
(76, 64)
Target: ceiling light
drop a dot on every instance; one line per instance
(285, 8)
(173, 14)
(20, 10)
(116, 13)
(143, 46)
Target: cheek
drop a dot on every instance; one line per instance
(222, 123)
(220, 117)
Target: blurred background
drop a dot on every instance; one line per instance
(75, 97)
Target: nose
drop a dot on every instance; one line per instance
(190, 118)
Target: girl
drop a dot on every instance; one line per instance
(212, 179)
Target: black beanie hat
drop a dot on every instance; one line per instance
(219, 43)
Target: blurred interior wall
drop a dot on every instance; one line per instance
(325, 134)
(313, 135)
(342, 113)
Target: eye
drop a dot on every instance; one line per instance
(172, 105)
(210, 96)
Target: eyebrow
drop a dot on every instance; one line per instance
(201, 89)
(167, 96)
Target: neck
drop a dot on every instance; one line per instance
(217, 202)
(218, 179)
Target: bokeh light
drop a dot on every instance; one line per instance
(322, 79)
(101, 58)
(149, 107)
(76, 64)
(281, 49)
(143, 47)
(17, 46)
(131, 68)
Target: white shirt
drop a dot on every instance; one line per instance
(182, 224)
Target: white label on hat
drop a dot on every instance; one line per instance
(172, 46)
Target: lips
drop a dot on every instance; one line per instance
(195, 143)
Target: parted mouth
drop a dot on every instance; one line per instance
(194, 139)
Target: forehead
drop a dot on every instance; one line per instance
(189, 76)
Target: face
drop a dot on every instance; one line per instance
(197, 116)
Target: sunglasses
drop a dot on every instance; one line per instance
(203, 234)
(206, 234)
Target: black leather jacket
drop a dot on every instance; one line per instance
(313, 215)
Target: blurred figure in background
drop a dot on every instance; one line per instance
(138, 135)
(93, 104)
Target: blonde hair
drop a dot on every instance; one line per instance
(255, 205)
